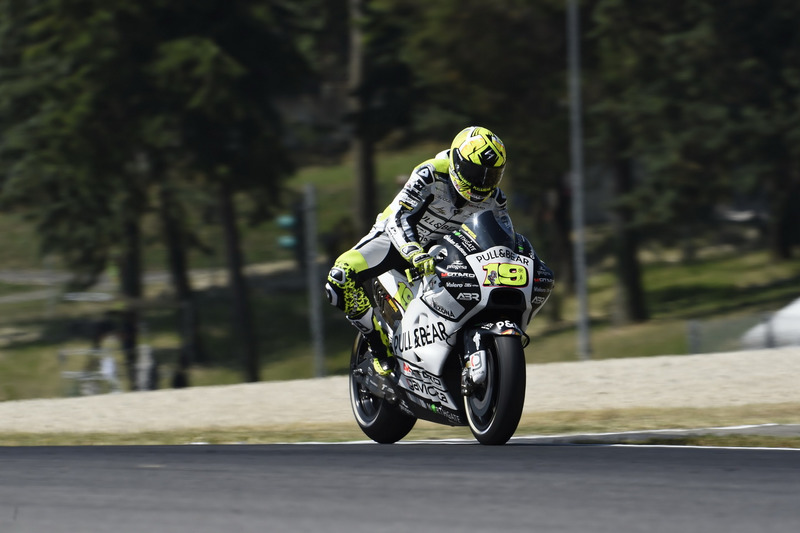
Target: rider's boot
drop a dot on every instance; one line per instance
(372, 330)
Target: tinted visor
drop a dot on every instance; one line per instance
(480, 177)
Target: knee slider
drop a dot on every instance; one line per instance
(335, 287)
(342, 289)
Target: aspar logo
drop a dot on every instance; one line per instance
(419, 337)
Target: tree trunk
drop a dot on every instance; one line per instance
(191, 348)
(784, 217)
(131, 288)
(362, 143)
(632, 306)
(243, 315)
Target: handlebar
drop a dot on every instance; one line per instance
(413, 276)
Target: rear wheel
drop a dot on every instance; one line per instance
(379, 420)
(494, 409)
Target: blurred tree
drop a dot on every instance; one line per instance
(66, 159)
(707, 94)
(757, 72)
(502, 65)
(102, 100)
(216, 75)
(379, 95)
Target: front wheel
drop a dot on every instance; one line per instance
(378, 419)
(495, 408)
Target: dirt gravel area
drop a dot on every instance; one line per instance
(699, 381)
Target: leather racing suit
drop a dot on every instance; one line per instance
(427, 208)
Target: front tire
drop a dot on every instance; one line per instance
(378, 419)
(495, 408)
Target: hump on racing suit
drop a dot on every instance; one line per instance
(428, 207)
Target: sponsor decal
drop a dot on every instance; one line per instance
(469, 296)
(433, 223)
(469, 232)
(457, 265)
(456, 244)
(426, 389)
(457, 275)
(538, 300)
(424, 383)
(464, 245)
(503, 253)
(504, 326)
(446, 413)
(505, 275)
(420, 337)
(440, 309)
(404, 294)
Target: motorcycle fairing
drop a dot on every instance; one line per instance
(426, 385)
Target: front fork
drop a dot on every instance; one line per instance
(476, 341)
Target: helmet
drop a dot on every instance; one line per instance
(477, 161)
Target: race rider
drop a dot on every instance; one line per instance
(441, 194)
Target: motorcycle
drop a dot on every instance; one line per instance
(457, 337)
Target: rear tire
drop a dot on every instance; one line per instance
(495, 408)
(378, 419)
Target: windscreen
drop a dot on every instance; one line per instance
(488, 231)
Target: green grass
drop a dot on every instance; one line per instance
(545, 423)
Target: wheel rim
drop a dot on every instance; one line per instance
(365, 405)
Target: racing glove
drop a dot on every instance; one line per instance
(419, 258)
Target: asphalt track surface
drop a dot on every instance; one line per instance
(523, 486)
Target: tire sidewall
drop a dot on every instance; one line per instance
(508, 375)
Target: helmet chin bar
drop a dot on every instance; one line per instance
(467, 192)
